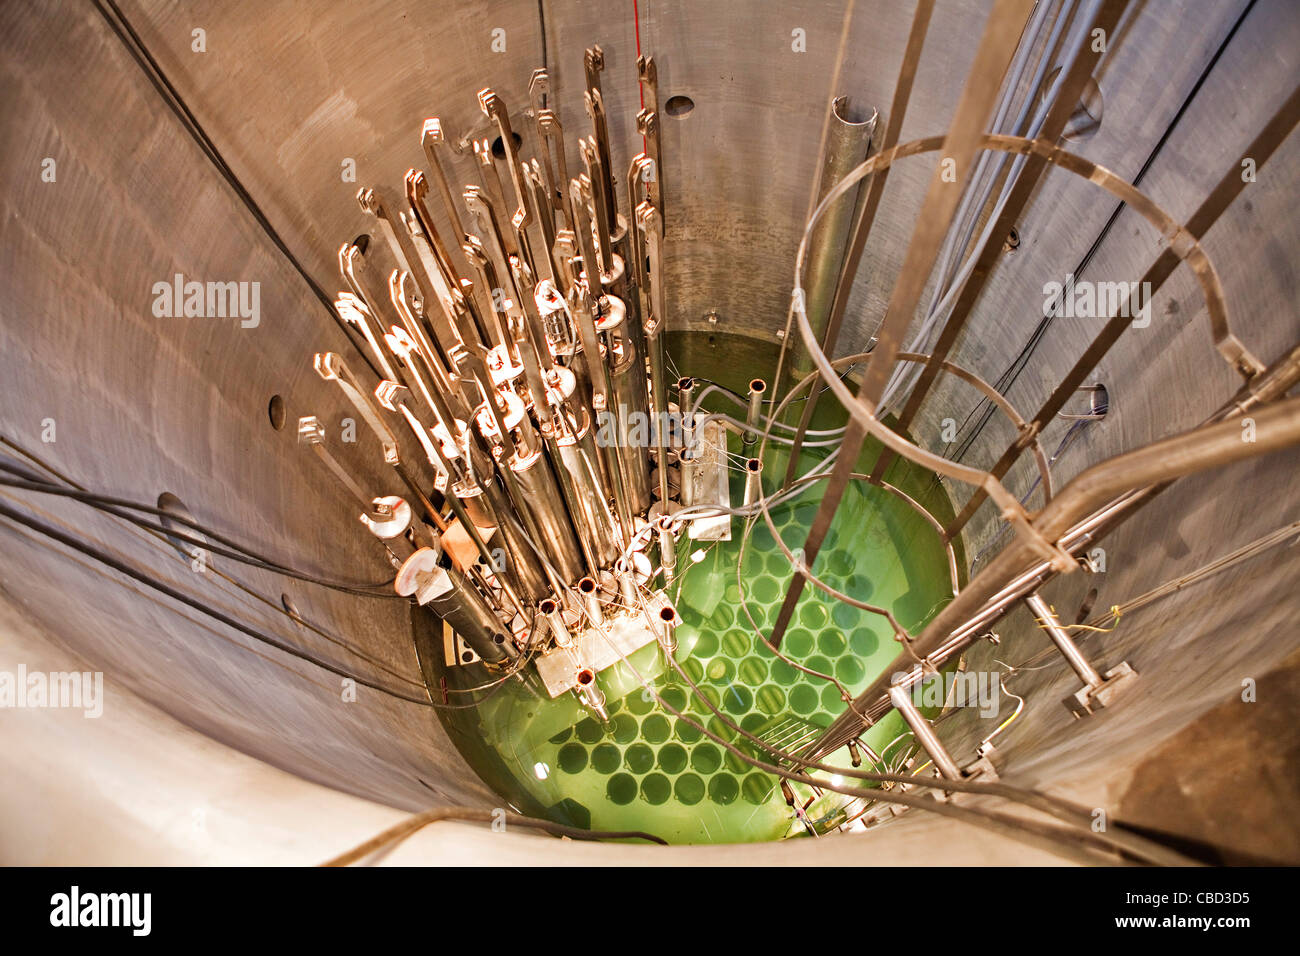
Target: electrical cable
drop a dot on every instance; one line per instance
(97, 498)
(982, 409)
(401, 831)
(111, 505)
(1016, 828)
(125, 33)
(122, 567)
(1002, 685)
(161, 535)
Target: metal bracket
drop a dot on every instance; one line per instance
(1088, 700)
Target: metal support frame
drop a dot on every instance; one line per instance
(924, 733)
(1098, 691)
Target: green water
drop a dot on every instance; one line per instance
(651, 771)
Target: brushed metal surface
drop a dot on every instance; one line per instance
(289, 91)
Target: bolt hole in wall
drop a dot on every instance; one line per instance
(276, 412)
(290, 608)
(1086, 118)
(1099, 400)
(499, 146)
(173, 505)
(679, 105)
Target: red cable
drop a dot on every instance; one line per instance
(636, 22)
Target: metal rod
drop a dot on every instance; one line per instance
(627, 584)
(331, 367)
(666, 627)
(647, 124)
(574, 456)
(388, 395)
(540, 499)
(379, 202)
(431, 140)
(1001, 34)
(630, 403)
(867, 213)
(364, 305)
(847, 143)
(1207, 214)
(753, 481)
(924, 733)
(667, 548)
(311, 432)
(1047, 619)
(756, 389)
(1075, 517)
(591, 600)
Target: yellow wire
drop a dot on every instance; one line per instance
(1114, 610)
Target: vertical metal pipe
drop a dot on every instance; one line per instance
(551, 610)
(516, 573)
(519, 556)
(685, 394)
(924, 733)
(648, 217)
(591, 600)
(574, 503)
(592, 696)
(464, 608)
(584, 434)
(631, 404)
(539, 499)
(756, 389)
(667, 548)
(666, 621)
(753, 481)
(627, 584)
(847, 142)
(576, 455)
(585, 298)
(450, 595)
(1064, 643)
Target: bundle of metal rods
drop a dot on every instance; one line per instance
(508, 349)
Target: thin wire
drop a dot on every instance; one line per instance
(112, 505)
(401, 831)
(1017, 828)
(125, 33)
(173, 552)
(104, 558)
